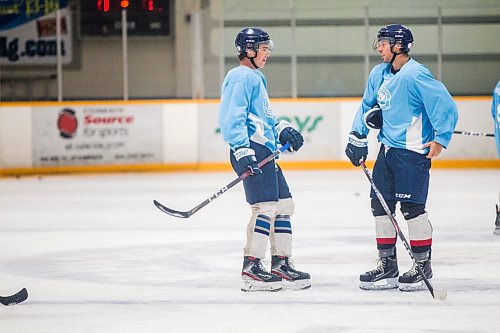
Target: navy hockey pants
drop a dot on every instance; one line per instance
(271, 185)
(401, 175)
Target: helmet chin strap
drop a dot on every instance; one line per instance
(393, 57)
(253, 62)
(394, 54)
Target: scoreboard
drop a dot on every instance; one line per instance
(144, 17)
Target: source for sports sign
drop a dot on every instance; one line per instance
(28, 32)
(97, 135)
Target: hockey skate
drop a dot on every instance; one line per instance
(291, 278)
(497, 222)
(256, 278)
(385, 276)
(412, 280)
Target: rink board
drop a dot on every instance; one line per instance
(168, 135)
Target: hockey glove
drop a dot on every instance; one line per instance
(246, 160)
(373, 118)
(357, 148)
(286, 133)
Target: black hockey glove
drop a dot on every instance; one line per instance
(246, 160)
(357, 148)
(286, 133)
(373, 118)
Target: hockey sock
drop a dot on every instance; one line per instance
(385, 232)
(281, 233)
(420, 232)
(258, 229)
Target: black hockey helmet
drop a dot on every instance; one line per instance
(395, 33)
(251, 38)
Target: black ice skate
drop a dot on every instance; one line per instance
(497, 222)
(385, 276)
(412, 280)
(292, 278)
(256, 278)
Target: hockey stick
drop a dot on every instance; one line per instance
(18, 297)
(244, 175)
(474, 133)
(436, 294)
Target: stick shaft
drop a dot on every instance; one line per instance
(474, 133)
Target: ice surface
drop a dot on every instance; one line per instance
(97, 256)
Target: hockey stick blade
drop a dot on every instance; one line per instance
(17, 298)
(171, 211)
(188, 213)
(440, 295)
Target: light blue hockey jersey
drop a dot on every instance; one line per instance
(416, 108)
(495, 112)
(245, 112)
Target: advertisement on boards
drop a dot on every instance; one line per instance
(28, 32)
(97, 135)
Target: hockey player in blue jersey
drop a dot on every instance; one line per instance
(252, 132)
(495, 112)
(416, 116)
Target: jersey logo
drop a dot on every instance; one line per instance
(268, 110)
(384, 98)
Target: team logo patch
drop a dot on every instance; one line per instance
(384, 98)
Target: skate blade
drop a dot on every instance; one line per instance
(384, 284)
(254, 285)
(497, 231)
(296, 285)
(409, 287)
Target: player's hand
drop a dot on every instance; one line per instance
(246, 160)
(435, 149)
(286, 133)
(357, 148)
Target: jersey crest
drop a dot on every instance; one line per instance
(384, 98)
(268, 110)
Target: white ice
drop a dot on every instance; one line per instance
(97, 256)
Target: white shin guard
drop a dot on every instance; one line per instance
(259, 228)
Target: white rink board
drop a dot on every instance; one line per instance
(188, 132)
